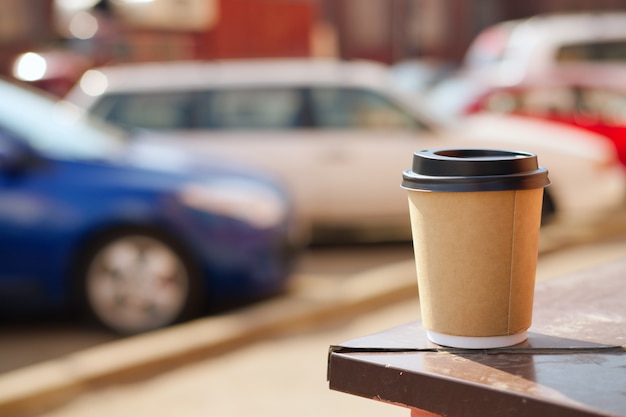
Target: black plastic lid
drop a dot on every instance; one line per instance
(464, 170)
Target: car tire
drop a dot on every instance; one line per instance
(135, 281)
(548, 209)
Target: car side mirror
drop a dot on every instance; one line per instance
(15, 155)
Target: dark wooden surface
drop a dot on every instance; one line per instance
(573, 363)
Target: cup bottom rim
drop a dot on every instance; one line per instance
(478, 342)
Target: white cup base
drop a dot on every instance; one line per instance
(467, 342)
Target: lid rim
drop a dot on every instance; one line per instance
(464, 170)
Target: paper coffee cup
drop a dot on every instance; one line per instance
(475, 218)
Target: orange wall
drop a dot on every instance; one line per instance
(259, 28)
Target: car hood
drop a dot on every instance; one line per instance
(146, 154)
(538, 136)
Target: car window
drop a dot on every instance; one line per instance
(357, 109)
(262, 108)
(157, 111)
(254, 108)
(538, 102)
(55, 128)
(613, 50)
(594, 104)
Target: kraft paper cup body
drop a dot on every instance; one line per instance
(476, 240)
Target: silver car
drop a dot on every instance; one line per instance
(337, 134)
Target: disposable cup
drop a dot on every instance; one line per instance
(475, 219)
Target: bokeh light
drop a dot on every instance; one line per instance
(29, 66)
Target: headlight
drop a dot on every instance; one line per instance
(244, 200)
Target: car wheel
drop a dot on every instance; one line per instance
(548, 209)
(134, 282)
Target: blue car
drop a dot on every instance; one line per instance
(135, 236)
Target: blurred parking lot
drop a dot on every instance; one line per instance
(279, 374)
(162, 168)
(30, 341)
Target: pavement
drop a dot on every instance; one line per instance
(314, 303)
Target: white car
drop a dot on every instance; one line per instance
(337, 134)
(543, 49)
(519, 51)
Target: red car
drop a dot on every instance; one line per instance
(592, 104)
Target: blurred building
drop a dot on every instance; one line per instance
(109, 31)
(393, 30)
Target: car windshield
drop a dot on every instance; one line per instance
(54, 127)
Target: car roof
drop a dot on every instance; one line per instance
(552, 30)
(565, 27)
(244, 72)
(515, 51)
